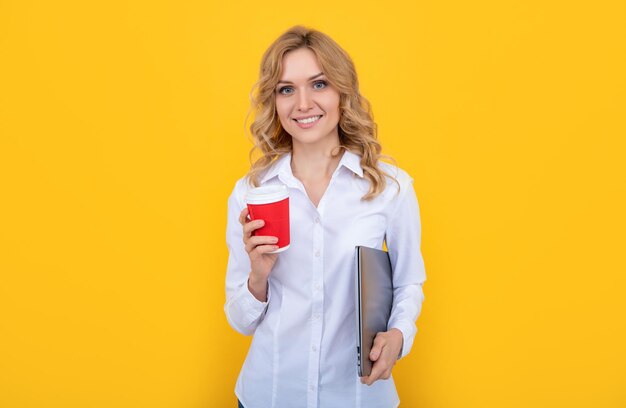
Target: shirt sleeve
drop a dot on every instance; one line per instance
(243, 311)
(403, 238)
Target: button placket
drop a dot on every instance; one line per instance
(317, 309)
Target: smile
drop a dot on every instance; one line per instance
(309, 120)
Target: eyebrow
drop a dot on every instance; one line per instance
(313, 77)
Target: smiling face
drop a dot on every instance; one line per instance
(306, 103)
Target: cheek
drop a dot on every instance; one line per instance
(333, 104)
(333, 110)
(282, 111)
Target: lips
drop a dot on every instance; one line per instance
(307, 119)
(308, 122)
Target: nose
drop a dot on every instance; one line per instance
(305, 101)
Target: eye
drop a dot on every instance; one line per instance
(322, 83)
(283, 89)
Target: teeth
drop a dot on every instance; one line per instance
(309, 120)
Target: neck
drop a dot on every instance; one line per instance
(314, 163)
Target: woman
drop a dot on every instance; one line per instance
(316, 135)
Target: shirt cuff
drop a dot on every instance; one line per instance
(407, 339)
(249, 307)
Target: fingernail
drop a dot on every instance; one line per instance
(274, 239)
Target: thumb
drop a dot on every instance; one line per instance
(375, 353)
(377, 347)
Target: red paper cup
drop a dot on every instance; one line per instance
(271, 204)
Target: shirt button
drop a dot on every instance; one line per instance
(317, 254)
(316, 316)
(317, 220)
(312, 387)
(314, 348)
(318, 286)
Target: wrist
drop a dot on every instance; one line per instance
(397, 333)
(258, 287)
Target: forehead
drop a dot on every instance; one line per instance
(298, 65)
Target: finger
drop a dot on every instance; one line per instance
(377, 371)
(243, 216)
(256, 241)
(263, 250)
(249, 227)
(375, 352)
(379, 343)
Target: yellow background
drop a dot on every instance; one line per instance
(122, 134)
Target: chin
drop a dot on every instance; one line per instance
(308, 140)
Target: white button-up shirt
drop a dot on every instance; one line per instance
(303, 353)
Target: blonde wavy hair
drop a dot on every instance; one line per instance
(357, 129)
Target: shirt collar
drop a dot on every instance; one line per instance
(282, 166)
(352, 161)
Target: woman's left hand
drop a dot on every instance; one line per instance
(384, 354)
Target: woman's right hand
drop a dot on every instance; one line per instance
(258, 248)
